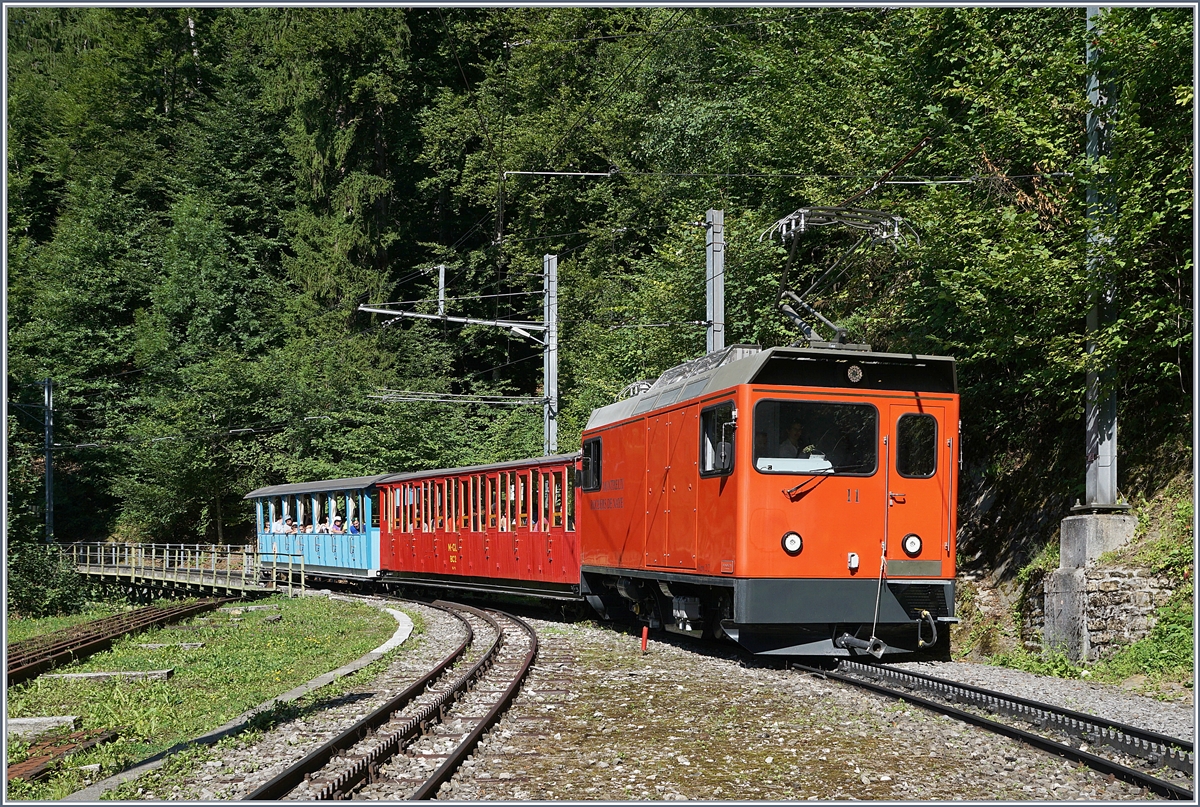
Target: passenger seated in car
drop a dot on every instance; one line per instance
(355, 528)
(337, 526)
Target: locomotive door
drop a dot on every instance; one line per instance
(657, 473)
(918, 488)
(671, 476)
(681, 490)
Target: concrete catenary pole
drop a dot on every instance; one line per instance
(1100, 414)
(1100, 524)
(714, 244)
(550, 355)
(441, 290)
(48, 423)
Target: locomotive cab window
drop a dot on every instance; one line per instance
(591, 465)
(717, 427)
(815, 437)
(916, 445)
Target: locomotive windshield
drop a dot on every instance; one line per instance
(811, 437)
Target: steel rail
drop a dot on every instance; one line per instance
(52, 644)
(286, 781)
(1152, 746)
(40, 645)
(1097, 763)
(26, 662)
(364, 767)
(464, 749)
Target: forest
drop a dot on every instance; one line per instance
(200, 199)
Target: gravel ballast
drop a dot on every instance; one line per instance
(599, 720)
(689, 721)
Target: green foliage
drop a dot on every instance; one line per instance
(200, 199)
(1055, 664)
(40, 583)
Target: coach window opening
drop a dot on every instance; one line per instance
(502, 501)
(439, 490)
(557, 502)
(479, 503)
(718, 429)
(523, 499)
(535, 497)
(493, 501)
(429, 521)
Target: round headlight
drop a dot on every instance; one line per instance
(792, 543)
(912, 544)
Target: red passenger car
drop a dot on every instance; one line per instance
(799, 501)
(504, 527)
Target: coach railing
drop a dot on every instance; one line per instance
(189, 564)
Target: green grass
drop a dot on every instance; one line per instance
(241, 665)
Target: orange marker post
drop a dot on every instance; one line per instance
(645, 636)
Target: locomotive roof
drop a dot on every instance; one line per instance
(785, 366)
(495, 466)
(349, 483)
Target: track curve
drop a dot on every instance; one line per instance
(379, 756)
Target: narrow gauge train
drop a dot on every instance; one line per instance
(799, 501)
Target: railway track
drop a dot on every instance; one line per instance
(32, 657)
(43, 756)
(412, 744)
(1060, 731)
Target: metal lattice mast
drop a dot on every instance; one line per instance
(550, 356)
(714, 244)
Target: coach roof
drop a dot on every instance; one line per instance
(321, 485)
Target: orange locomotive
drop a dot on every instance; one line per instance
(799, 500)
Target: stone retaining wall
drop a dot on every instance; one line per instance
(1121, 606)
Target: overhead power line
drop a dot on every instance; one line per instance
(396, 396)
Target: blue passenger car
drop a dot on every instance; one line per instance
(315, 509)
